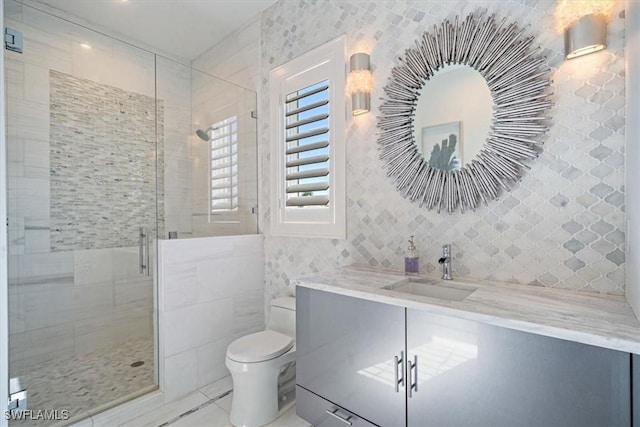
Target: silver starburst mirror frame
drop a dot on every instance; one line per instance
(517, 79)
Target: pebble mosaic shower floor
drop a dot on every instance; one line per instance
(84, 383)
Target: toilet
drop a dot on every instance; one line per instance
(262, 367)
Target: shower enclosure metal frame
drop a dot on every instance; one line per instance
(4, 289)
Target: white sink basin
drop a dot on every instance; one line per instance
(443, 289)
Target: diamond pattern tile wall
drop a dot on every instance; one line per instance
(562, 226)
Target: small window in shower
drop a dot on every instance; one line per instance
(224, 165)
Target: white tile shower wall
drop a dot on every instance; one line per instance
(174, 88)
(214, 100)
(60, 302)
(236, 58)
(29, 121)
(211, 292)
(562, 226)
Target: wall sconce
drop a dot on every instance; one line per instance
(584, 24)
(586, 35)
(360, 83)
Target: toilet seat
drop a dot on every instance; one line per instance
(259, 347)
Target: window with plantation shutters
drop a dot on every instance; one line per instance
(307, 146)
(224, 165)
(308, 114)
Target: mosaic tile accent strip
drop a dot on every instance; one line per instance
(562, 226)
(103, 164)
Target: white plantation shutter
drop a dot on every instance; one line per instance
(307, 146)
(307, 120)
(224, 165)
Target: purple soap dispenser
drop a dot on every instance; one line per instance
(411, 264)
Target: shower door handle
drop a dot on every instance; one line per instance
(141, 234)
(143, 252)
(146, 253)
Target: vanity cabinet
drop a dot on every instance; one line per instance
(472, 374)
(387, 365)
(345, 350)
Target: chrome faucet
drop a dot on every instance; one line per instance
(446, 262)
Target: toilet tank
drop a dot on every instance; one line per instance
(283, 316)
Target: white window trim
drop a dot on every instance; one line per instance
(325, 62)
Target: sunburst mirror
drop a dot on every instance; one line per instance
(464, 112)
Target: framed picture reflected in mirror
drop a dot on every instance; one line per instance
(441, 146)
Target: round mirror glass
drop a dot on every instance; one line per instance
(453, 117)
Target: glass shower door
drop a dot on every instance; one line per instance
(82, 126)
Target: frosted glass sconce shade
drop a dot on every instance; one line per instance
(586, 35)
(360, 83)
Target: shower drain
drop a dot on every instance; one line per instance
(136, 364)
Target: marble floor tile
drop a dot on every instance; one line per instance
(217, 415)
(168, 412)
(211, 415)
(289, 419)
(218, 388)
(225, 402)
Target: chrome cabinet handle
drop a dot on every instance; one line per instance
(413, 375)
(398, 369)
(334, 414)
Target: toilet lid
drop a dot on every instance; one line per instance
(259, 347)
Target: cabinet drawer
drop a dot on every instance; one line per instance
(315, 410)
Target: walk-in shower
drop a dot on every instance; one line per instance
(103, 161)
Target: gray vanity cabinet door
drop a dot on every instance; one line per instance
(470, 374)
(345, 350)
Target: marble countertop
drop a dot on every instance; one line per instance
(600, 320)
